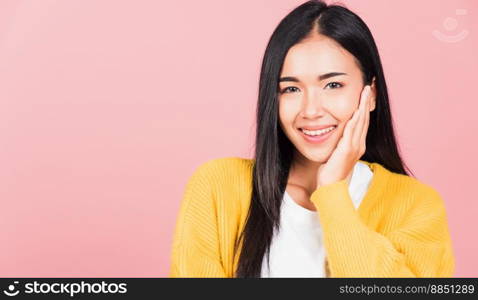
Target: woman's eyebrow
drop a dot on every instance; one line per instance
(321, 77)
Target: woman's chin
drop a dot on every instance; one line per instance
(318, 157)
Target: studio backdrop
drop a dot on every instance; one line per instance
(107, 107)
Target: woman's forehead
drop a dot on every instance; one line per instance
(318, 55)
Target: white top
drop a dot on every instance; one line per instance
(297, 249)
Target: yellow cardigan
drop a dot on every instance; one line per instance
(399, 230)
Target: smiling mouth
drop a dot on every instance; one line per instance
(320, 132)
(317, 137)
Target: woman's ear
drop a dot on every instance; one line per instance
(373, 95)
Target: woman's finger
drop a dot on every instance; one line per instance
(349, 127)
(363, 138)
(362, 111)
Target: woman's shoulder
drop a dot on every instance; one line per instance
(224, 173)
(228, 162)
(219, 167)
(408, 182)
(225, 181)
(402, 187)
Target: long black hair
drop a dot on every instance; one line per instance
(274, 151)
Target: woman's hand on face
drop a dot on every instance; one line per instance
(350, 147)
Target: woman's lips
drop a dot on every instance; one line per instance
(318, 138)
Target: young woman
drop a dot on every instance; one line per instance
(327, 194)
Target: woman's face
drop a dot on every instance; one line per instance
(320, 85)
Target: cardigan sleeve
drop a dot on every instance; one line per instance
(419, 247)
(195, 250)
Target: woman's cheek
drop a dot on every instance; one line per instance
(285, 115)
(289, 110)
(343, 107)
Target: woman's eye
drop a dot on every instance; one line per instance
(333, 85)
(289, 89)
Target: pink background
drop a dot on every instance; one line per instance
(106, 108)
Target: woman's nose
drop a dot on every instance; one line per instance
(313, 105)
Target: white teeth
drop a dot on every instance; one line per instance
(317, 132)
